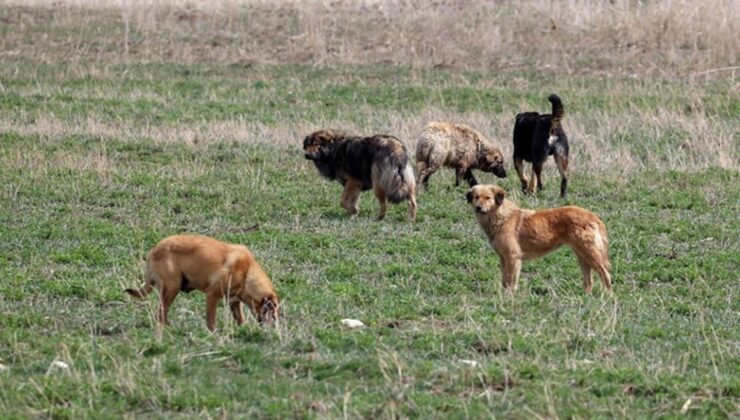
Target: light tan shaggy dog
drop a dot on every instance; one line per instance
(518, 234)
(457, 146)
(218, 269)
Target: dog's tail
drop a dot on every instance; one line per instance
(558, 112)
(397, 177)
(601, 241)
(144, 291)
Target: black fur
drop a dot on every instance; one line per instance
(531, 139)
(343, 157)
(185, 284)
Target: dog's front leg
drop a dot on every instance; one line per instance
(519, 166)
(237, 312)
(350, 196)
(460, 172)
(470, 178)
(212, 300)
(511, 266)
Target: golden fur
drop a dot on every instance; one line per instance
(457, 146)
(218, 269)
(518, 234)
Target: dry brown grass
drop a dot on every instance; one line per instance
(594, 136)
(658, 38)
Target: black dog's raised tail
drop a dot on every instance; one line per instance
(557, 107)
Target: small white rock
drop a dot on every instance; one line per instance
(472, 363)
(352, 323)
(3, 368)
(685, 406)
(58, 364)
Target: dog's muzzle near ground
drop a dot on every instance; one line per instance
(499, 171)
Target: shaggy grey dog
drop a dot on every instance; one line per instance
(457, 146)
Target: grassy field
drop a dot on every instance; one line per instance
(101, 159)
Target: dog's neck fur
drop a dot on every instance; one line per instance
(493, 221)
(481, 148)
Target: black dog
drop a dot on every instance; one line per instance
(535, 138)
(380, 163)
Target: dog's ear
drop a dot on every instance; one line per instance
(469, 195)
(499, 197)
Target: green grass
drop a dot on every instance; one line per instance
(80, 212)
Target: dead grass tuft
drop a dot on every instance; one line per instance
(656, 38)
(621, 141)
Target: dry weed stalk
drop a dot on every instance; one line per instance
(660, 38)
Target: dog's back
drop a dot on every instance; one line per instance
(532, 132)
(197, 259)
(448, 142)
(524, 128)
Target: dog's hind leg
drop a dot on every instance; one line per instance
(380, 195)
(519, 166)
(562, 161)
(424, 173)
(427, 170)
(595, 259)
(412, 206)
(588, 280)
(605, 277)
(166, 297)
(350, 196)
(537, 173)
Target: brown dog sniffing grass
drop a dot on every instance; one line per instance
(218, 269)
(519, 234)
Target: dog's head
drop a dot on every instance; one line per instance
(316, 144)
(492, 160)
(486, 198)
(268, 310)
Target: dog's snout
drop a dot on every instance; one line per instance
(479, 208)
(500, 172)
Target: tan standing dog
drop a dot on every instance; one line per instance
(518, 234)
(220, 270)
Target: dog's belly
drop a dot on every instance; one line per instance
(344, 177)
(536, 245)
(532, 253)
